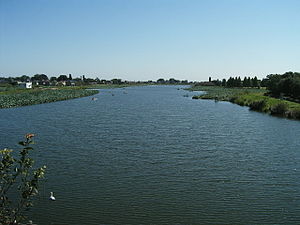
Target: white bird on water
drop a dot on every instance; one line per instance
(52, 197)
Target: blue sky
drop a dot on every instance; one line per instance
(149, 39)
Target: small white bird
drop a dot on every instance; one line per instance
(52, 197)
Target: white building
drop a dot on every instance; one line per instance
(25, 85)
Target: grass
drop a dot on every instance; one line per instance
(222, 93)
(22, 97)
(256, 99)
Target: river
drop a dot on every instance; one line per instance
(149, 155)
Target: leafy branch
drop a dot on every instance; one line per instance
(18, 176)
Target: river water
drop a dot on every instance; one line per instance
(149, 155)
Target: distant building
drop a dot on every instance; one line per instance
(25, 85)
(62, 83)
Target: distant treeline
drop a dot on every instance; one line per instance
(68, 80)
(285, 85)
(238, 82)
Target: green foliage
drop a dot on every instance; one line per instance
(287, 84)
(62, 78)
(279, 109)
(255, 98)
(258, 105)
(237, 82)
(20, 180)
(38, 96)
(223, 93)
(39, 77)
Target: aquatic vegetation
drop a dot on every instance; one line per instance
(38, 96)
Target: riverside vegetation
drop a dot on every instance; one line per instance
(60, 88)
(280, 97)
(19, 182)
(22, 97)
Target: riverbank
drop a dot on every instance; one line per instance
(23, 97)
(255, 99)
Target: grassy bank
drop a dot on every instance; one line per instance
(252, 97)
(22, 97)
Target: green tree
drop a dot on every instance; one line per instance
(239, 82)
(53, 79)
(295, 88)
(255, 82)
(62, 78)
(161, 81)
(249, 81)
(116, 81)
(39, 77)
(272, 82)
(224, 82)
(230, 82)
(18, 176)
(245, 82)
(24, 78)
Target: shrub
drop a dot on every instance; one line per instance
(258, 105)
(279, 109)
(233, 99)
(293, 114)
(17, 175)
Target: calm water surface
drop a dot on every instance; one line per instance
(148, 155)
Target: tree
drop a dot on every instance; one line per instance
(160, 81)
(264, 82)
(255, 82)
(217, 82)
(272, 84)
(249, 82)
(116, 81)
(230, 82)
(245, 82)
(295, 88)
(62, 78)
(239, 82)
(173, 81)
(24, 78)
(17, 174)
(39, 77)
(53, 79)
(287, 84)
(224, 82)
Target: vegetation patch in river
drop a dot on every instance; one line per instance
(15, 98)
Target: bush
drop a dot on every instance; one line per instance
(294, 114)
(279, 109)
(258, 105)
(233, 98)
(17, 175)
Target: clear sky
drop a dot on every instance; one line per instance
(149, 39)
